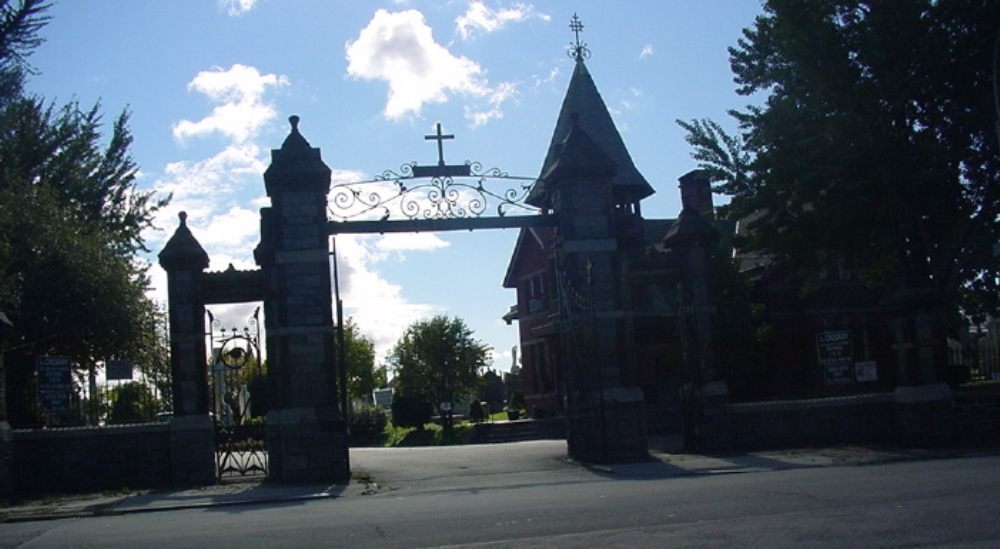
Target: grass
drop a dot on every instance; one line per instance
(431, 435)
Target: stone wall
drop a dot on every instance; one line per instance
(969, 416)
(977, 415)
(91, 459)
(817, 422)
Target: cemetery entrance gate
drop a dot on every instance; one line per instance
(305, 423)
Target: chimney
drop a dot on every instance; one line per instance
(696, 193)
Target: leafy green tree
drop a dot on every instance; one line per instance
(362, 375)
(873, 145)
(438, 359)
(71, 220)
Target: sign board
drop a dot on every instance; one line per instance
(835, 357)
(119, 369)
(55, 384)
(383, 397)
(866, 371)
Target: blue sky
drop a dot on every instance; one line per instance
(211, 84)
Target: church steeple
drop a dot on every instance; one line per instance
(584, 104)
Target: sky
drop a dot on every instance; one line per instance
(210, 85)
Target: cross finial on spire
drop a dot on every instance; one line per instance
(577, 50)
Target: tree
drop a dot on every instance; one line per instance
(71, 220)
(362, 375)
(874, 147)
(19, 26)
(438, 359)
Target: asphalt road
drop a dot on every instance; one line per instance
(542, 500)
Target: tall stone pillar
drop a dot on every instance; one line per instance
(306, 433)
(924, 413)
(605, 409)
(706, 395)
(6, 443)
(191, 431)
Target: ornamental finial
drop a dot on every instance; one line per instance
(577, 49)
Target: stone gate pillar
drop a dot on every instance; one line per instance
(605, 410)
(705, 393)
(306, 433)
(924, 413)
(191, 431)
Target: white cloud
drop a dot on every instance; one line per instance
(241, 111)
(237, 7)
(479, 17)
(377, 305)
(500, 94)
(647, 51)
(399, 49)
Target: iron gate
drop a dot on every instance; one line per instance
(237, 382)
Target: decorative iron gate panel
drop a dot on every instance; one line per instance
(240, 450)
(237, 377)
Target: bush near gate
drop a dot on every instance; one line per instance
(411, 411)
(367, 424)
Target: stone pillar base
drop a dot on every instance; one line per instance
(623, 437)
(307, 445)
(924, 415)
(6, 462)
(707, 426)
(192, 450)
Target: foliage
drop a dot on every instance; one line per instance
(874, 147)
(362, 375)
(71, 220)
(439, 360)
(410, 411)
(367, 424)
(133, 402)
(19, 26)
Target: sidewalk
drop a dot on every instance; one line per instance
(666, 462)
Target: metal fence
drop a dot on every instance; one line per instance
(980, 363)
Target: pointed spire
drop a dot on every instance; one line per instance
(183, 250)
(583, 101)
(579, 157)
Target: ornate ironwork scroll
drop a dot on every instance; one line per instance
(430, 192)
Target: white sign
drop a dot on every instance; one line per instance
(865, 371)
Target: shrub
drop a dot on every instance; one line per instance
(476, 411)
(367, 423)
(411, 411)
(516, 401)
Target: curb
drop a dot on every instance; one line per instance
(109, 510)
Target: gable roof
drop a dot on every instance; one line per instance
(584, 107)
(529, 238)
